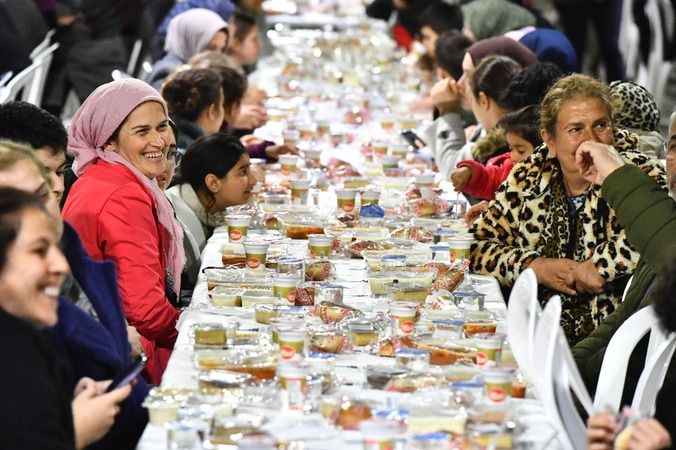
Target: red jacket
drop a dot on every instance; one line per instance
(486, 179)
(115, 217)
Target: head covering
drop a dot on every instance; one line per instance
(552, 46)
(91, 128)
(190, 32)
(488, 18)
(223, 8)
(502, 46)
(635, 107)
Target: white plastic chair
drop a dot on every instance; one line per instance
(134, 56)
(629, 40)
(658, 68)
(19, 87)
(555, 380)
(610, 385)
(523, 312)
(6, 77)
(652, 377)
(42, 46)
(43, 61)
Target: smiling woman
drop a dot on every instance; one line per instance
(120, 138)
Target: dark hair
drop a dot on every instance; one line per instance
(441, 16)
(493, 76)
(243, 23)
(29, 124)
(450, 50)
(233, 81)
(529, 86)
(234, 86)
(216, 154)
(189, 92)
(12, 203)
(523, 122)
(665, 292)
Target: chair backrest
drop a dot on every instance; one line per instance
(652, 377)
(134, 57)
(42, 46)
(43, 61)
(555, 382)
(523, 312)
(6, 77)
(610, 384)
(19, 87)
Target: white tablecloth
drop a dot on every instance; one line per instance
(181, 373)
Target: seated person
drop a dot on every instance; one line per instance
(548, 217)
(195, 101)
(214, 175)
(637, 111)
(435, 20)
(189, 33)
(649, 215)
(522, 136)
(41, 407)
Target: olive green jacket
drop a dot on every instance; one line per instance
(648, 216)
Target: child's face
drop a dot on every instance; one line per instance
(519, 147)
(248, 50)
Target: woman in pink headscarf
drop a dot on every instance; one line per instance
(120, 137)
(188, 34)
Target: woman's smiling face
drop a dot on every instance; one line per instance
(144, 138)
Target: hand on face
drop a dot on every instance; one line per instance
(446, 95)
(596, 161)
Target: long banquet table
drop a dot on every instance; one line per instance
(312, 429)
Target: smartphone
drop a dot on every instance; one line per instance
(413, 139)
(129, 375)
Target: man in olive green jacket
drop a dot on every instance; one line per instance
(648, 216)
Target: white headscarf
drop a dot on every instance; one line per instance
(190, 32)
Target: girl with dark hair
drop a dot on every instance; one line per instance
(244, 45)
(214, 175)
(195, 101)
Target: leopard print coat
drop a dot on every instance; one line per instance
(528, 219)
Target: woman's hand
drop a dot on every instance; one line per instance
(460, 177)
(274, 151)
(250, 117)
(601, 431)
(596, 161)
(587, 278)
(134, 339)
(94, 410)
(555, 273)
(649, 434)
(474, 212)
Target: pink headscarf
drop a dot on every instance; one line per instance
(91, 128)
(190, 32)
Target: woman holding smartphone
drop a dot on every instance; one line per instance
(39, 410)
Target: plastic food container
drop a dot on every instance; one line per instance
(320, 245)
(299, 190)
(238, 226)
(370, 198)
(251, 360)
(284, 287)
(256, 254)
(251, 298)
(355, 182)
(300, 226)
(222, 296)
(209, 335)
(346, 200)
(161, 410)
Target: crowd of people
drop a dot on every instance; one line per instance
(102, 225)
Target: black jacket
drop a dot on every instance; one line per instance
(36, 404)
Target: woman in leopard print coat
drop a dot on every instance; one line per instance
(546, 216)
